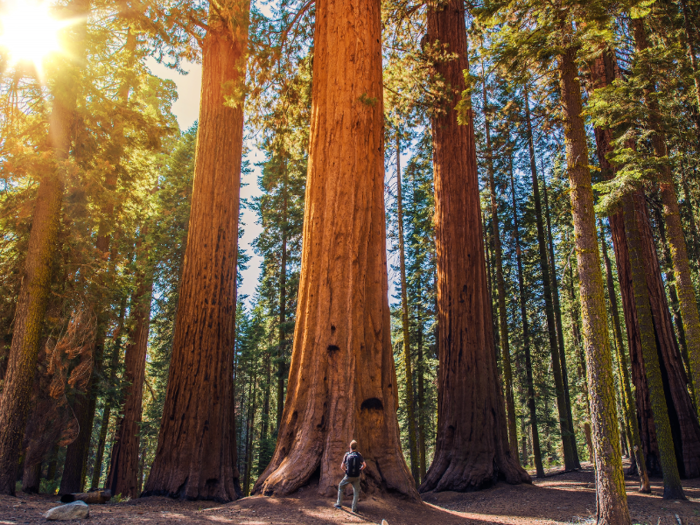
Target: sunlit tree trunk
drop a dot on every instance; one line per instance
(196, 453)
(472, 450)
(36, 278)
(342, 381)
(610, 482)
(674, 228)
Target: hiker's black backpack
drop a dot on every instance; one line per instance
(353, 464)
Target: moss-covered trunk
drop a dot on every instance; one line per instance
(610, 483)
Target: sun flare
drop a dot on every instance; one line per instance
(28, 32)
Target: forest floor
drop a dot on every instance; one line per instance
(559, 498)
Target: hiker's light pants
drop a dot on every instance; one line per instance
(355, 482)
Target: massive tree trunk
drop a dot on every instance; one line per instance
(669, 467)
(565, 420)
(532, 407)
(410, 412)
(674, 228)
(683, 421)
(124, 464)
(196, 453)
(610, 483)
(472, 450)
(500, 286)
(342, 382)
(36, 279)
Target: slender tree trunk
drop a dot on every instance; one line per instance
(674, 299)
(124, 464)
(627, 400)
(281, 368)
(196, 455)
(536, 450)
(472, 450)
(567, 436)
(114, 363)
(342, 381)
(410, 412)
(252, 394)
(610, 482)
(500, 286)
(36, 279)
(674, 228)
(421, 395)
(690, 41)
(672, 481)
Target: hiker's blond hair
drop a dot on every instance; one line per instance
(353, 444)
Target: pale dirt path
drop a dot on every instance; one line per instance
(562, 498)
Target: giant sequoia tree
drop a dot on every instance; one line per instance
(472, 450)
(196, 453)
(342, 382)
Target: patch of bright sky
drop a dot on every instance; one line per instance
(186, 109)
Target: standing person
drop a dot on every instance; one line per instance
(353, 463)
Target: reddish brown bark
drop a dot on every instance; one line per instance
(472, 449)
(196, 453)
(36, 279)
(342, 382)
(124, 465)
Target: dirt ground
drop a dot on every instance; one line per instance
(559, 498)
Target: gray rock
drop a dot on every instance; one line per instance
(77, 510)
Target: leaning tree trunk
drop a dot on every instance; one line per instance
(610, 483)
(124, 465)
(568, 438)
(472, 449)
(36, 278)
(342, 382)
(196, 453)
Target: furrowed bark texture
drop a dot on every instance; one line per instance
(683, 421)
(472, 450)
(342, 382)
(196, 453)
(674, 228)
(667, 458)
(36, 279)
(610, 483)
(124, 464)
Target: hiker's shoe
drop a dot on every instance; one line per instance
(338, 506)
